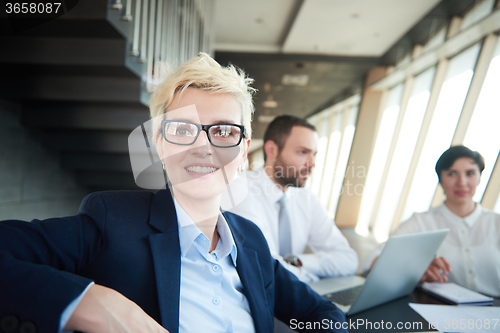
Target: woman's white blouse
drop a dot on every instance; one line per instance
(472, 247)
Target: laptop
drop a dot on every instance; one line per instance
(396, 273)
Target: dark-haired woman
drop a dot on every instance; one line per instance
(470, 254)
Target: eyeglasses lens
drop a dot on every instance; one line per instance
(224, 135)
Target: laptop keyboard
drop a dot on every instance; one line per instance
(344, 297)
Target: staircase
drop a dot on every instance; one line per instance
(79, 80)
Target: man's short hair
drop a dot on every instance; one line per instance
(454, 153)
(206, 74)
(279, 129)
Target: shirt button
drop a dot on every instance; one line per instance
(470, 271)
(216, 301)
(216, 268)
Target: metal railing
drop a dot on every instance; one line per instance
(170, 31)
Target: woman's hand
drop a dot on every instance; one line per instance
(105, 310)
(437, 271)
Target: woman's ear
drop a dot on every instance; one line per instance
(244, 156)
(246, 148)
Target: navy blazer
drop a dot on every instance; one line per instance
(128, 241)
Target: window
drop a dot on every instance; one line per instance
(477, 13)
(403, 152)
(404, 61)
(331, 157)
(335, 127)
(497, 206)
(441, 130)
(436, 40)
(345, 148)
(483, 133)
(379, 157)
(322, 128)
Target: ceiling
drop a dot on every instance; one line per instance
(353, 28)
(307, 54)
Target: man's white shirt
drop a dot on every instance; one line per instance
(254, 196)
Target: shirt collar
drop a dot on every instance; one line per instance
(189, 233)
(270, 189)
(469, 219)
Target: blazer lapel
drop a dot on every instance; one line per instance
(165, 249)
(248, 268)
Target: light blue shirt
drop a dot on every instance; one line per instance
(211, 296)
(69, 311)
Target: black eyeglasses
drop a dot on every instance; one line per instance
(186, 133)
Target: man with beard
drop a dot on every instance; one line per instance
(290, 216)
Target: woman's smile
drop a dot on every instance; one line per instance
(201, 169)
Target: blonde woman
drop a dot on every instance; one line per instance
(134, 261)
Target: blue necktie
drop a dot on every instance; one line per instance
(284, 228)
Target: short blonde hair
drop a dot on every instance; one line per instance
(203, 73)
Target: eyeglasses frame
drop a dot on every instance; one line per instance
(202, 128)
